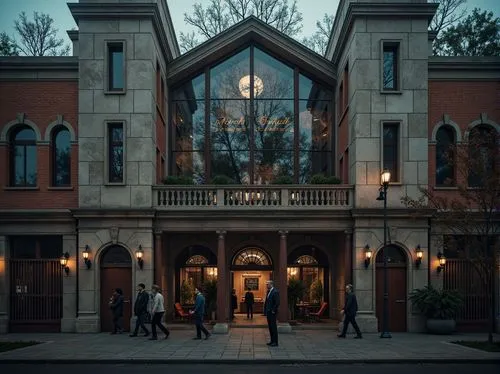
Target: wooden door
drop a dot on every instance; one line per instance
(116, 272)
(397, 290)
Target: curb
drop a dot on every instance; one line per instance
(249, 361)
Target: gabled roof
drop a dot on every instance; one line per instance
(250, 30)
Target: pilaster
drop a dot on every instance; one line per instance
(70, 292)
(4, 286)
(221, 327)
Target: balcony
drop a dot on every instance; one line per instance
(269, 197)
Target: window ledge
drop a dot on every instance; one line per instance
(121, 92)
(115, 184)
(66, 188)
(391, 92)
(21, 188)
(450, 188)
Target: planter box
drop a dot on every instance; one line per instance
(441, 326)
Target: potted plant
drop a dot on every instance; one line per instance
(178, 180)
(211, 297)
(296, 291)
(439, 307)
(283, 179)
(322, 179)
(316, 291)
(187, 293)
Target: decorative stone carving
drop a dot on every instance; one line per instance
(113, 233)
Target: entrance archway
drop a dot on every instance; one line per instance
(397, 287)
(116, 272)
(251, 267)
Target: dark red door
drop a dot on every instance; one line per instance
(397, 297)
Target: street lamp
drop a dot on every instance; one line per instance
(385, 178)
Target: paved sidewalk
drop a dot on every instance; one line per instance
(245, 345)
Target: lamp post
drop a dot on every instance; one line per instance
(385, 177)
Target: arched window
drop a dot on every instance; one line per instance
(61, 157)
(483, 155)
(308, 265)
(252, 256)
(23, 172)
(395, 255)
(197, 260)
(306, 260)
(445, 156)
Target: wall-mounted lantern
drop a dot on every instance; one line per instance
(64, 262)
(442, 262)
(368, 256)
(85, 254)
(138, 254)
(419, 253)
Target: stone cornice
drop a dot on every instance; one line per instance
(82, 11)
(354, 10)
(248, 30)
(31, 215)
(464, 68)
(392, 213)
(104, 213)
(231, 214)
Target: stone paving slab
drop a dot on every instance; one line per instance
(245, 345)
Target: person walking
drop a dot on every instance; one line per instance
(249, 301)
(199, 312)
(271, 306)
(116, 306)
(141, 310)
(158, 310)
(349, 311)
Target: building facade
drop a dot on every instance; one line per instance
(246, 159)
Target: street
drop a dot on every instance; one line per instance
(250, 369)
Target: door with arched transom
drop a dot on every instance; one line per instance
(116, 272)
(397, 288)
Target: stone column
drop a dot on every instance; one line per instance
(348, 257)
(4, 286)
(158, 258)
(282, 278)
(70, 293)
(221, 327)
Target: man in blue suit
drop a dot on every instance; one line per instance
(271, 306)
(199, 312)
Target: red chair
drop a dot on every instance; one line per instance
(181, 313)
(317, 315)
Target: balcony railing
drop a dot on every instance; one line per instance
(320, 197)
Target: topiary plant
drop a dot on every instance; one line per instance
(436, 304)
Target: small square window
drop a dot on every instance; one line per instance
(116, 67)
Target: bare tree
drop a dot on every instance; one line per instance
(38, 37)
(470, 219)
(221, 14)
(447, 14)
(318, 42)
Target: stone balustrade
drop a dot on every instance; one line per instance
(321, 197)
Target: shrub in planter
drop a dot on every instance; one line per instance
(210, 290)
(178, 180)
(221, 179)
(296, 290)
(322, 179)
(283, 179)
(439, 307)
(316, 292)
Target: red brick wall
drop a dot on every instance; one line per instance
(463, 102)
(41, 102)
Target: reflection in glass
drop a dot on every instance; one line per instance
(271, 164)
(189, 125)
(445, 139)
(315, 125)
(277, 77)
(115, 148)
(191, 90)
(390, 68)
(233, 164)
(228, 124)
(311, 163)
(61, 158)
(225, 77)
(190, 164)
(24, 160)
(274, 124)
(309, 90)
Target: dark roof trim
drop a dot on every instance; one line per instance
(404, 10)
(168, 42)
(248, 30)
(464, 68)
(39, 63)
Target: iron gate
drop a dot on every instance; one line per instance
(36, 295)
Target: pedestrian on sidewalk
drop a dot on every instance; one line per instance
(271, 306)
(116, 306)
(198, 312)
(157, 312)
(249, 301)
(349, 311)
(141, 309)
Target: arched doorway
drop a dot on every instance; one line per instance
(251, 267)
(310, 265)
(397, 287)
(116, 272)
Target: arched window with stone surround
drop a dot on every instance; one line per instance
(445, 156)
(23, 157)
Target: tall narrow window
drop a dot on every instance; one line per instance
(23, 165)
(445, 168)
(116, 67)
(61, 157)
(391, 150)
(483, 156)
(390, 76)
(115, 149)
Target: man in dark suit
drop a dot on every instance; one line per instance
(249, 301)
(271, 306)
(141, 309)
(116, 305)
(199, 312)
(349, 311)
